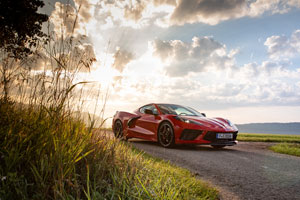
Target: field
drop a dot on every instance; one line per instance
(285, 148)
(288, 144)
(256, 137)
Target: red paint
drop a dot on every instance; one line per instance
(146, 126)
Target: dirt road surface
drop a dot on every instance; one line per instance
(245, 171)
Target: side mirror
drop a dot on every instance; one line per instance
(203, 114)
(148, 111)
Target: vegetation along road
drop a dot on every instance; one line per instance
(246, 171)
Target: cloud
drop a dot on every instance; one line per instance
(165, 13)
(63, 18)
(75, 50)
(116, 13)
(213, 12)
(259, 7)
(162, 49)
(69, 20)
(122, 58)
(203, 72)
(282, 47)
(223, 92)
(163, 2)
(201, 54)
(133, 11)
(80, 58)
(84, 10)
(207, 11)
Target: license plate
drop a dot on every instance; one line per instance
(224, 136)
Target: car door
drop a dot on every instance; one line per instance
(147, 124)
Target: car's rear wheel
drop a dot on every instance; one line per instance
(118, 129)
(218, 146)
(165, 135)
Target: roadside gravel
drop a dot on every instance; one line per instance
(245, 171)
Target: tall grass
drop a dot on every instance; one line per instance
(39, 152)
(42, 157)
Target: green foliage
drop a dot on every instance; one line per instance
(36, 153)
(255, 137)
(20, 26)
(50, 155)
(289, 144)
(285, 148)
(162, 180)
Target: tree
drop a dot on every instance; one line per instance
(20, 26)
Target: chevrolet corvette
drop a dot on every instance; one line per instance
(170, 124)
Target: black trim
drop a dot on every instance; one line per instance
(190, 134)
(212, 136)
(229, 143)
(131, 121)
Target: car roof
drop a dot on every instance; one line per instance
(162, 104)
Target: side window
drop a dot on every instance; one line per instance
(142, 109)
(150, 107)
(154, 110)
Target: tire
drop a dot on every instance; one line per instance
(218, 146)
(118, 129)
(165, 135)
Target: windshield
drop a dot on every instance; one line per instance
(177, 110)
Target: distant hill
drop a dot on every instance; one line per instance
(275, 128)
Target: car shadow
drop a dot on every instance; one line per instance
(186, 147)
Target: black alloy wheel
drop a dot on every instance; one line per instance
(118, 129)
(166, 135)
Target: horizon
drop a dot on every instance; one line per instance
(234, 60)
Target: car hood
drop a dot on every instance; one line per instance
(213, 123)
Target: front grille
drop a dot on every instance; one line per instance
(190, 134)
(212, 136)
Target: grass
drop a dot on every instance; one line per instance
(178, 182)
(285, 148)
(256, 137)
(45, 154)
(288, 144)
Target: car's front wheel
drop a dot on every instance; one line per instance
(118, 129)
(165, 135)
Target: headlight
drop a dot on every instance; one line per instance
(231, 124)
(188, 121)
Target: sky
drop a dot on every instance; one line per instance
(237, 59)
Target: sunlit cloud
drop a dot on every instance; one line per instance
(283, 47)
(200, 55)
(165, 13)
(251, 84)
(206, 11)
(122, 58)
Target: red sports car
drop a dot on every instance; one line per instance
(171, 124)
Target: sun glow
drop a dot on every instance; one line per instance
(103, 75)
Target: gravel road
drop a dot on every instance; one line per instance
(245, 171)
